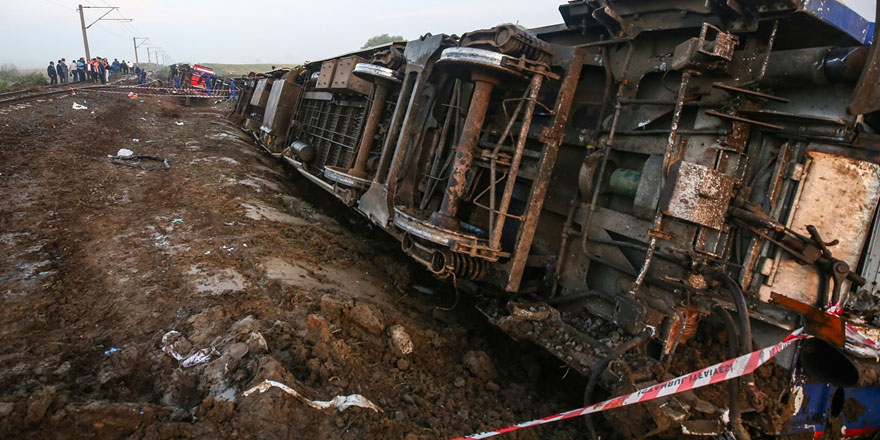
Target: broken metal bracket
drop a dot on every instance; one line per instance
(818, 323)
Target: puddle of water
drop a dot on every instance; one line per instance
(350, 280)
(292, 274)
(228, 160)
(214, 281)
(258, 182)
(258, 211)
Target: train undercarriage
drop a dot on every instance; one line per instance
(609, 185)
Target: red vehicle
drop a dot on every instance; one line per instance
(202, 77)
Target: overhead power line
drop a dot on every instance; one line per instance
(82, 20)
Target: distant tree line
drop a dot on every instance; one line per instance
(379, 40)
(10, 75)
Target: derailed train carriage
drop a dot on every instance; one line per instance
(607, 185)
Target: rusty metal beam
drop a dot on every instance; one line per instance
(360, 163)
(507, 195)
(464, 156)
(552, 138)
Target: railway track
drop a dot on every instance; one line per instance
(10, 95)
(24, 95)
(20, 96)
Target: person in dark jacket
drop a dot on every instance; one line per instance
(60, 71)
(102, 68)
(65, 71)
(53, 74)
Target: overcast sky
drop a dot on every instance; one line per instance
(32, 32)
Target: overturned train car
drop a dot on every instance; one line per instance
(609, 185)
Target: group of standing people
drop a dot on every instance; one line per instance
(95, 70)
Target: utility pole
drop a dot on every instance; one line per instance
(136, 46)
(155, 52)
(82, 21)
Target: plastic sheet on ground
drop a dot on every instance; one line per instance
(339, 402)
(199, 357)
(79, 107)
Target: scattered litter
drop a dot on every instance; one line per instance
(144, 119)
(136, 162)
(79, 107)
(207, 252)
(199, 357)
(177, 220)
(340, 402)
(227, 248)
(135, 140)
(244, 244)
(178, 122)
(111, 350)
(132, 95)
(124, 152)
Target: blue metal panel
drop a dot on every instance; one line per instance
(816, 409)
(842, 17)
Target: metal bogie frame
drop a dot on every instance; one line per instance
(640, 171)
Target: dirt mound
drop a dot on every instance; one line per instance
(143, 304)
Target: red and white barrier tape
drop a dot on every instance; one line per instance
(720, 372)
(166, 95)
(184, 89)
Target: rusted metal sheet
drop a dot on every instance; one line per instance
(838, 197)
(697, 194)
(326, 75)
(343, 79)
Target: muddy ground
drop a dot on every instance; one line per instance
(99, 262)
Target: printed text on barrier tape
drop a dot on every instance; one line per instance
(730, 369)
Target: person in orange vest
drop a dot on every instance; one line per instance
(94, 64)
